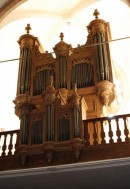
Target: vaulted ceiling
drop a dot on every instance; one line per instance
(55, 7)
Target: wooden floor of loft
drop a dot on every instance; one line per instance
(112, 173)
(88, 154)
(96, 150)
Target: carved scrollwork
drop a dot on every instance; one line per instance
(77, 146)
(65, 115)
(37, 117)
(106, 92)
(81, 60)
(50, 94)
(37, 68)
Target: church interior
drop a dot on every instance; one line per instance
(64, 83)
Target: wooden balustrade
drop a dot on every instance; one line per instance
(8, 142)
(104, 130)
(97, 131)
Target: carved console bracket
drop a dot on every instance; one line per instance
(22, 152)
(23, 103)
(77, 146)
(105, 92)
(49, 149)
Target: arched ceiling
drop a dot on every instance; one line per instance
(6, 6)
(64, 9)
(50, 8)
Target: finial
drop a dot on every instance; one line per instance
(96, 13)
(61, 36)
(51, 80)
(28, 28)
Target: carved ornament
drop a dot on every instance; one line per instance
(49, 148)
(74, 99)
(98, 25)
(23, 104)
(77, 146)
(65, 114)
(62, 48)
(50, 94)
(105, 92)
(37, 117)
(81, 60)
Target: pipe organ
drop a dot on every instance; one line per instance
(54, 95)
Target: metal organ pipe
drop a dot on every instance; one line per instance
(25, 128)
(62, 64)
(24, 71)
(82, 75)
(106, 67)
(101, 58)
(41, 81)
(76, 122)
(50, 123)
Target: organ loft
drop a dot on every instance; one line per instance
(55, 95)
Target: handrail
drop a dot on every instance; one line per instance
(8, 142)
(104, 130)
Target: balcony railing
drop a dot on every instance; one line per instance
(8, 142)
(106, 130)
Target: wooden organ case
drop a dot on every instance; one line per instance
(55, 95)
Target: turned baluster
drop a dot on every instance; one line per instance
(10, 144)
(86, 134)
(126, 131)
(103, 141)
(94, 133)
(17, 141)
(4, 145)
(110, 132)
(118, 132)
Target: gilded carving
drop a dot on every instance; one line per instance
(74, 99)
(37, 117)
(106, 92)
(64, 114)
(81, 60)
(50, 94)
(62, 48)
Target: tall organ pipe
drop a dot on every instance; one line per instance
(76, 122)
(24, 71)
(25, 128)
(101, 58)
(41, 81)
(50, 123)
(62, 63)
